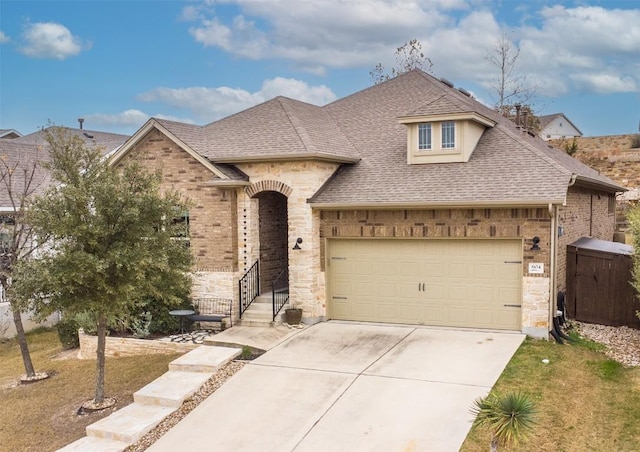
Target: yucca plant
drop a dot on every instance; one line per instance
(509, 417)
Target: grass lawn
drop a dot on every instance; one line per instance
(586, 402)
(42, 416)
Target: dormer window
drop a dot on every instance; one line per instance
(424, 137)
(448, 134)
(443, 138)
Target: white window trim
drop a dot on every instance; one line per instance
(436, 139)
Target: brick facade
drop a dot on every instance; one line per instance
(587, 214)
(273, 233)
(212, 210)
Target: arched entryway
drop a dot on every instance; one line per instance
(273, 236)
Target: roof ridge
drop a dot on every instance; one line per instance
(297, 125)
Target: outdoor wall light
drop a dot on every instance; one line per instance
(297, 245)
(536, 243)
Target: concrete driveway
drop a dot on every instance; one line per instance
(340, 386)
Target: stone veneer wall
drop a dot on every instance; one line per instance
(459, 224)
(120, 346)
(299, 181)
(586, 214)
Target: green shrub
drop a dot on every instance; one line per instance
(161, 321)
(87, 322)
(68, 333)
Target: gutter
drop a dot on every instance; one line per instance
(553, 256)
(318, 156)
(436, 204)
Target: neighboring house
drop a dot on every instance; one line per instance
(22, 153)
(9, 134)
(557, 126)
(407, 202)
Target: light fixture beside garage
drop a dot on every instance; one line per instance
(297, 245)
(536, 243)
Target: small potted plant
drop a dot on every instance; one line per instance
(293, 315)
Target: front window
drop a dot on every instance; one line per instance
(424, 136)
(448, 135)
(180, 224)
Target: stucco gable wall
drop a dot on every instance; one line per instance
(212, 210)
(587, 214)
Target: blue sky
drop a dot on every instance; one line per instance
(116, 63)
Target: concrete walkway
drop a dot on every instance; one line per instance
(340, 386)
(155, 401)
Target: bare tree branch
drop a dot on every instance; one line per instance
(409, 56)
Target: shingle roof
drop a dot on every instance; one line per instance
(24, 158)
(107, 141)
(279, 128)
(25, 150)
(507, 166)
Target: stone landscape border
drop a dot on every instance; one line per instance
(122, 346)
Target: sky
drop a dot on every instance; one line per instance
(116, 63)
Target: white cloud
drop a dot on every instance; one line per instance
(128, 118)
(209, 104)
(50, 40)
(315, 34)
(605, 83)
(3, 38)
(562, 48)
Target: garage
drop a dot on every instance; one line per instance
(459, 283)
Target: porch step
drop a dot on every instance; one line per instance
(171, 389)
(258, 323)
(253, 314)
(130, 423)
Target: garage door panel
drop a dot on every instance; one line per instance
(436, 282)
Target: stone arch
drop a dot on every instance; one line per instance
(268, 185)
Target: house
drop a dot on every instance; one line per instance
(407, 202)
(557, 126)
(9, 134)
(19, 156)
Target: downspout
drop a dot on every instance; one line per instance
(553, 255)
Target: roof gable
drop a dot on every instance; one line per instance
(160, 126)
(278, 129)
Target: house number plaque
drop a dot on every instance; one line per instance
(536, 268)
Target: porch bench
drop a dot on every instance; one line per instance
(212, 310)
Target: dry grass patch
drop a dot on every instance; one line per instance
(585, 401)
(43, 416)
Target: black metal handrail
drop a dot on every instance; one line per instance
(249, 286)
(280, 292)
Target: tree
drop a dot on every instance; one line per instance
(510, 87)
(509, 418)
(110, 242)
(21, 176)
(409, 56)
(633, 215)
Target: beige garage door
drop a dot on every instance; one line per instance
(465, 283)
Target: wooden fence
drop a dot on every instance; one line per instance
(598, 287)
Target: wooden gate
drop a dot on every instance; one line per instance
(598, 283)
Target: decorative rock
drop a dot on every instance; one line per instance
(622, 343)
